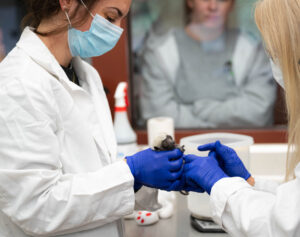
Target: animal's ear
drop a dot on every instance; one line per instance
(169, 137)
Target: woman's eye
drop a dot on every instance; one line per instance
(110, 19)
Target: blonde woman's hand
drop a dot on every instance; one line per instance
(228, 160)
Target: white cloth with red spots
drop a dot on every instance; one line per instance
(144, 217)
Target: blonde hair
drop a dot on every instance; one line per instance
(279, 24)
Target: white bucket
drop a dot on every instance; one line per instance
(198, 203)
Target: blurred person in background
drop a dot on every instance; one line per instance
(207, 75)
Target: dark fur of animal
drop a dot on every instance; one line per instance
(168, 144)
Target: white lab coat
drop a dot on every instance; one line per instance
(262, 211)
(58, 174)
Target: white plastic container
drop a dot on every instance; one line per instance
(198, 203)
(158, 126)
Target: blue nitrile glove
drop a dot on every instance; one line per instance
(157, 169)
(203, 172)
(228, 160)
(181, 185)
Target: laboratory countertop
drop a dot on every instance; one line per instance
(176, 226)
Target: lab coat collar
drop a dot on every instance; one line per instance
(38, 51)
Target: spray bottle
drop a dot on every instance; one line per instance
(126, 137)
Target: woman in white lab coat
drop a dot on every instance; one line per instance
(58, 173)
(260, 208)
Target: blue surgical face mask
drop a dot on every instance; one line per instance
(98, 40)
(277, 73)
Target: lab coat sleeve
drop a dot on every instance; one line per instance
(157, 96)
(244, 211)
(252, 106)
(266, 185)
(35, 193)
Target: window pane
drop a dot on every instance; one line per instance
(201, 62)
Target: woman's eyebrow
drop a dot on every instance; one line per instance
(120, 13)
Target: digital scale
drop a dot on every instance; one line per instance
(206, 226)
